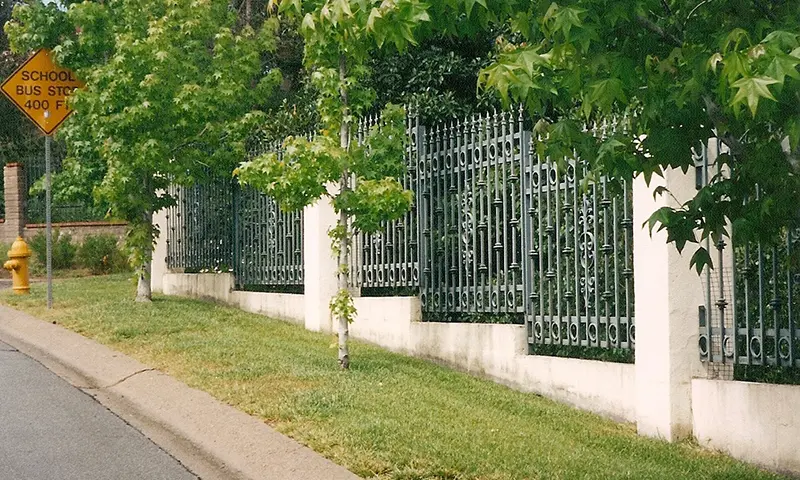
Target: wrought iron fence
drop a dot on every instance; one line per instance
(200, 227)
(62, 211)
(78, 212)
(387, 262)
(500, 234)
(752, 295)
(268, 242)
(217, 225)
(496, 233)
(580, 255)
(470, 213)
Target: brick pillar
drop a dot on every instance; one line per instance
(15, 194)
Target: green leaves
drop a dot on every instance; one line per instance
(342, 305)
(561, 20)
(751, 90)
(700, 260)
(605, 92)
(783, 66)
(681, 77)
(382, 155)
(470, 4)
(299, 176)
(374, 202)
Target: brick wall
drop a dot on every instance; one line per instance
(14, 223)
(80, 230)
(14, 193)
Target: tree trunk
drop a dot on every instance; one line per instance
(143, 288)
(248, 12)
(143, 292)
(344, 278)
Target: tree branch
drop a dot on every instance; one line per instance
(692, 12)
(650, 25)
(194, 140)
(718, 119)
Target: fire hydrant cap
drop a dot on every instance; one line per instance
(19, 249)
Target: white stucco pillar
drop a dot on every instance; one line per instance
(668, 294)
(319, 265)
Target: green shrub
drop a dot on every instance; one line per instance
(64, 251)
(101, 254)
(4, 248)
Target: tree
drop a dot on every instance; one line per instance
(169, 97)
(339, 38)
(685, 72)
(18, 136)
(439, 76)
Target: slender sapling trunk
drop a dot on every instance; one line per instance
(344, 244)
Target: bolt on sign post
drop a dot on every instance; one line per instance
(40, 89)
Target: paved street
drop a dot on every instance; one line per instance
(51, 430)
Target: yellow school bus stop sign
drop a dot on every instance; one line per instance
(40, 89)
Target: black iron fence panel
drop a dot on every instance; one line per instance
(200, 227)
(580, 257)
(387, 261)
(752, 295)
(62, 210)
(269, 242)
(470, 209)
(217, 225)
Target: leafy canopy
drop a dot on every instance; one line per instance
(301, 175)
(684, 71)
(19, 138)
(170, 90)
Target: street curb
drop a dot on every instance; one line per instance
(213, 440)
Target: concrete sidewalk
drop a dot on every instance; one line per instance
(213, 440)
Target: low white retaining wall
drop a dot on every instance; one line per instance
(756, 422)
(219, 287)
(498, 352)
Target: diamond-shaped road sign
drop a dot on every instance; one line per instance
(40, 89)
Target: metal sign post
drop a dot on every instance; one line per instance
(48, 219)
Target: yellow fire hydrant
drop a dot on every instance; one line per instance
(18, 266)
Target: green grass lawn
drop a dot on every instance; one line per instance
(389, 417)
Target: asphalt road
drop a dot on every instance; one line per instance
(49, 430)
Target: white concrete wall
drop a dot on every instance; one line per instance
(498, 352)
(755, 422)
(219, 287)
